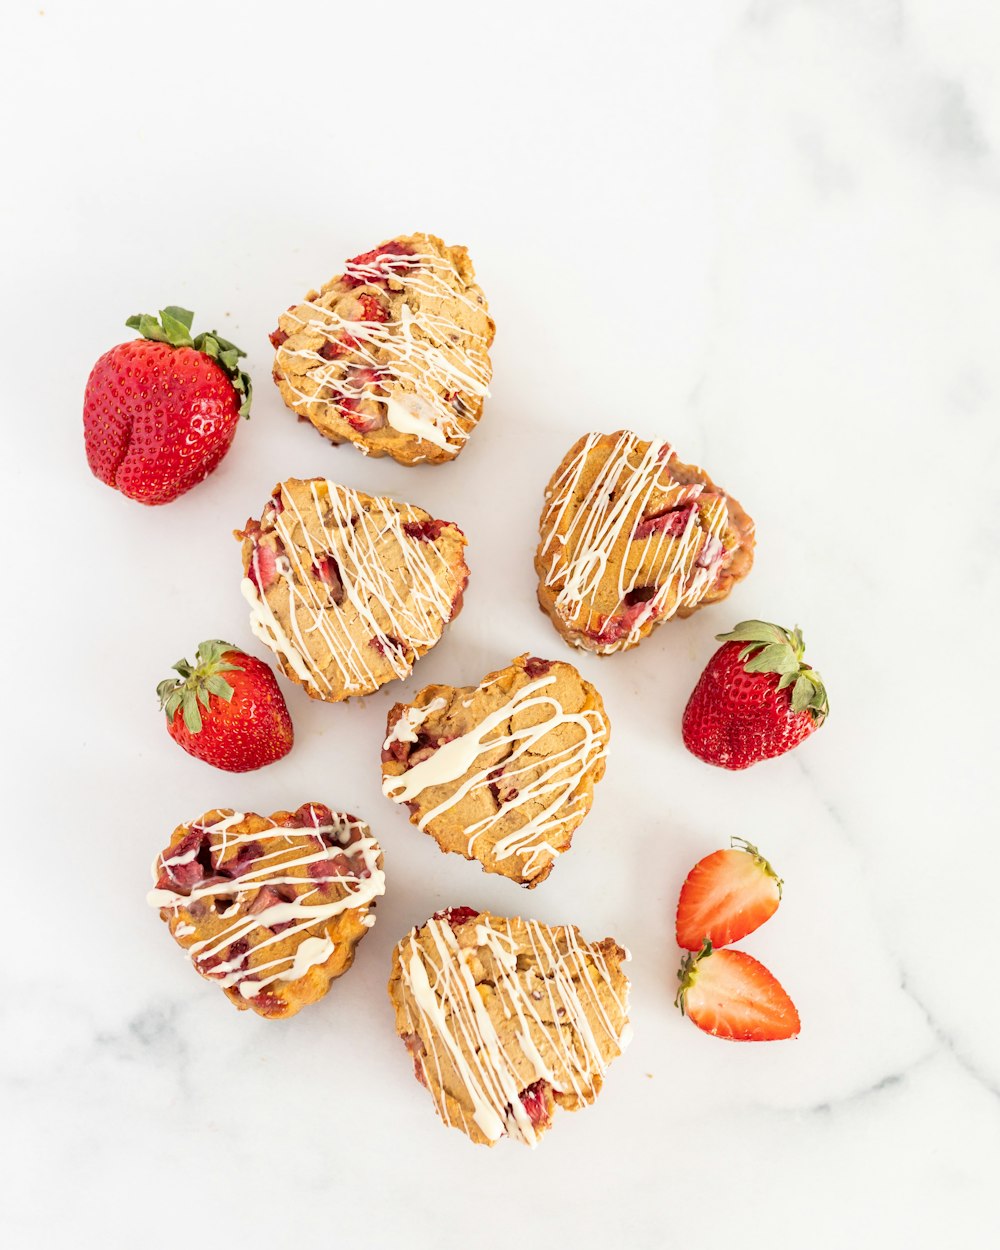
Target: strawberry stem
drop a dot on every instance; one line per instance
(773, 649)
(741, 844)
(197, 683)
(173, 327)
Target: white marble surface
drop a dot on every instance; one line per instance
(767, 230)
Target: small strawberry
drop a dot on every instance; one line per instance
(725, 896)
(160, 412)
(731, 995)
(755, 699)
(242, 722)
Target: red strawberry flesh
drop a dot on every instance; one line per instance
(726, 896)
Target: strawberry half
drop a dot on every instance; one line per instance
(237, 721)
(160, 412)
(731, 995)
(756, 699)
(725, 896)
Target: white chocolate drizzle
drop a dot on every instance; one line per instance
(429, 371)
(554, 784)
(309, 910)
(682, 567)
(396, 613)
(565, 1001)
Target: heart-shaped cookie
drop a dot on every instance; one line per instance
(393, 354)
(270, 908)
(348, 589)
(507, 1019)
(502, 772)
(631, 536)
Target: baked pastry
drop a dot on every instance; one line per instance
(507, 1019)
(349, 589)
(631, 536)
(270, 908)
(393, 354)
(502, 772)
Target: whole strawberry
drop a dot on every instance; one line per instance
(160, 412)
(226, 709)
(755, 699)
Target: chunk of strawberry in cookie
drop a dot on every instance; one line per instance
(424, 531)
(613, 629)
(377, 266)
(538, 1102)
(263, 570)
(372, 308)
(535, 668)
(310, 816)
(456, 916)
(669, 524)
(417, 1051)
(189, 863)
(327, 570)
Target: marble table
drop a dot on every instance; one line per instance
(767, 230)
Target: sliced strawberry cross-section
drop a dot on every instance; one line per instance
(731, 995)
(726, 896)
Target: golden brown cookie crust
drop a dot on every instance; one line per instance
(349, 589)
(393, 354)
(522, 752)
(631, 536)
(507, 1018)
(270, 908)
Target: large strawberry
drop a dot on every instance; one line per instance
(160, 412)
(757, 698)
(226, 709)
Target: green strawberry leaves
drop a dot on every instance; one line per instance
(174, 328)
(227, 356)
(197, 683)
(772, 649)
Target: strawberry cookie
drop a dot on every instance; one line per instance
(502, 772)
(507, 1019)
(349, 589)
(393, 354)
(270, 908)
(631, 536)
